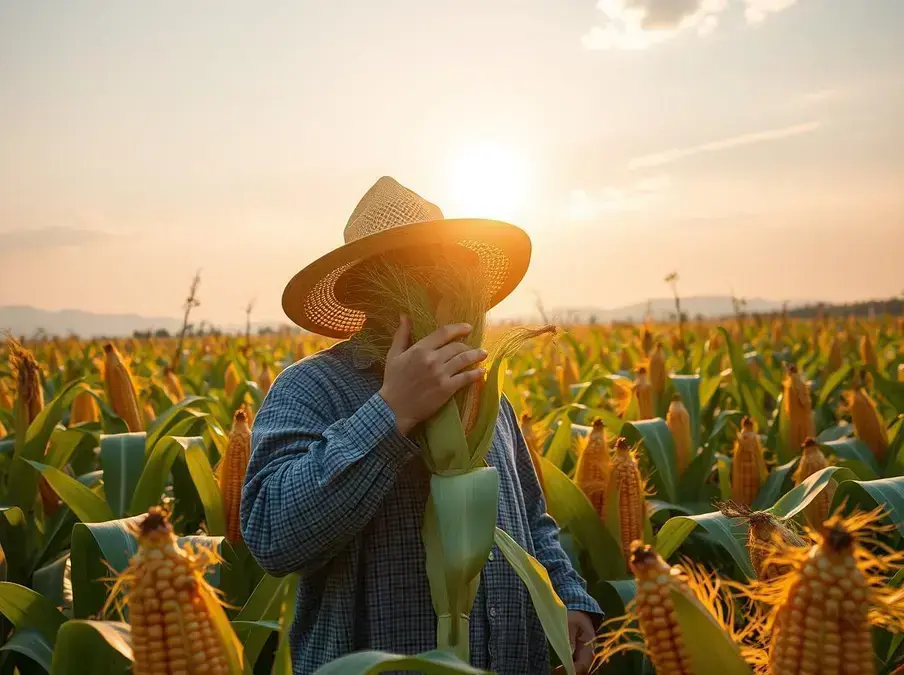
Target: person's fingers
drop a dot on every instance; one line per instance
(449, 351)
(583, 658)
(465, 360)
(444, 335)
(401, 339)
(464, 378)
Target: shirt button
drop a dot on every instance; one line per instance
(493, 612)
(491, 557)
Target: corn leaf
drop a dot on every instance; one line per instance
(26, 608)
(122, 457)
(283, 660)
(166, 420)
(659, 448)
(32, 644)
(102, 647)
(709, 646)
(885, 492)
(550, 609)
(796, 500)
(64, 443)
(726, 534)
(371, 662)
(87, 505)
(265, 605)
(772, 488)
(50, 582)
(447, 447)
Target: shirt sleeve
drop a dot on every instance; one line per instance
(569, 585)
(315, 481)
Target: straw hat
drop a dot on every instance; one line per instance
(388, 219)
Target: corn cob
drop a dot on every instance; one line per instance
(625, 362)
(84, 409)
(121, 390)
(231, 473)
(763, 530)
(658, 370)
(835, 360)
(6, 398)
(811, 461)
(664, 639)
(679, 422)
(231, 379)
(626, 488)
(748, 467)
(643, 392)
(825, 607)
(533, 447)
(171, 607)
(867, 422)
(647, 341)
(265, 378)
(901, 372)
(593, 469)
(867, 352)
(172, 385)
(798, 409)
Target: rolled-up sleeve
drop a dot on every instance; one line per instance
(314, 481)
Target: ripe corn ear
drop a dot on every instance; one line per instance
(625, 362)
(231, 473)
(867, 422)
(643, 392)
(171, 606)
(626, 489)
(533, 447)
(867, 352)
(764, 532)
(748, 468)
(835, 360)
(647, 341)
(798, 409)
(593, 469)
(121, 390)
(6, 397)
(265, 378)
(679, 422)
(811, 461)
(664, 639)
(3, 431)
(84, 409)
(172, 385)
(231, 379)
(901, 372)
(658, 370)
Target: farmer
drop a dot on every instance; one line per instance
(336, 489)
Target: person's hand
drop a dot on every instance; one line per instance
(420, 378)
(581, 634)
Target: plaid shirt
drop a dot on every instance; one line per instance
(336, 492)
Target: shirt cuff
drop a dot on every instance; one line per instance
(392, 445)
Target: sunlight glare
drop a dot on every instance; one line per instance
(486, 181)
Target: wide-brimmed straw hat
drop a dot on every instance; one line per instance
(391, 218)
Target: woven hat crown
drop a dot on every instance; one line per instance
(386, 205)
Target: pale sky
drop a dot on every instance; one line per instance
(754, 145)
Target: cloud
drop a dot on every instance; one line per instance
(638, 24)
(47, 238)
(675, 154)
(819, 96)
(585, 206)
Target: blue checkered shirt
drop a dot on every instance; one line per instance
(334, 491)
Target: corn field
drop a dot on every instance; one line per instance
(733, 495)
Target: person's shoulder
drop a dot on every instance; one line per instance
(313, 372)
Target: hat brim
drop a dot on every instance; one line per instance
(310, 299)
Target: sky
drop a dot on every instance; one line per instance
(754, 146)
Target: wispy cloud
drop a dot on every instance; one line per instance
(588, 205)
(675, 154)
(47, 238)
(819, 96)
(638, 24)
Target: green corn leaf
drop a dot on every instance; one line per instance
(31, 644)
(885, 492)
(101, 647)
(370, 663)
(659, 448)
(26, 608)
(122, 457)
(710, 647)
(86, 504)
(796, 500)
(447, 447)
(721, 529)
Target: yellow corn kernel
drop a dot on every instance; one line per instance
(231, 379)
(533, 447)
(171, 606)
(172, 385)
(867, 422)
(748, 468)
(593, 469)
(120, 389)
(798, 409)
(811, 461)
(663, 637)
(231, 473)
(627, 490)
(643, 392)
(678, 420)
(658, 374)
(84, 409)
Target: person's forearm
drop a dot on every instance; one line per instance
(307, 503)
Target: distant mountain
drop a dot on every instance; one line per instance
(28, 321)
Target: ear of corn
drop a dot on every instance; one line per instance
(533, 447)
(647, 341)
(265, 378)
(593, 468)
(798, 409)
(121, 389)
(867, 422)
(763, 530)
(643, 392)
(748, 468)
(811, 461)
(172, 385)
(84, 409)
(867, 352)
(679, 422)
(625, 362)
(174, 614)
(6, 397)
(658, 374)
(626, 491)
(231, 379)
(901, 372)
(231, 473)
(835, 360)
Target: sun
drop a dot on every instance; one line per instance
(487, 180)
